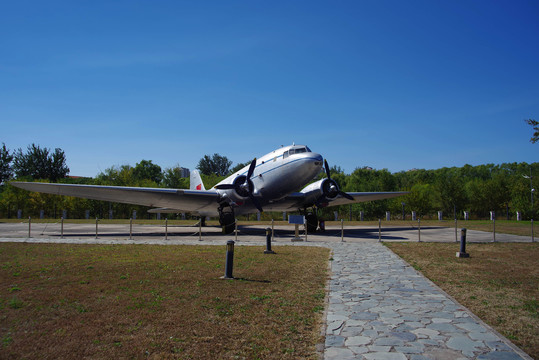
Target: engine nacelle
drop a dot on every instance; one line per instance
(320, 190)
(241, 187)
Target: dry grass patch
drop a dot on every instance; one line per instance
(522, 228)
(141, 301)
(499, 283)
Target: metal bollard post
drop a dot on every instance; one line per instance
(342, 230)
(130, 228)
(236, 229)
(268, 242)
(200, 230)
(462, 253)
(494, 230)
(456, 237)
(166, 228)
(418, 230)
(229, 266)
(96, 232)
(533, 239)
(29, 226)
(272, 233)
(379, 230)
(62, 227)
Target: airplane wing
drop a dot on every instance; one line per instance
(365, 196)
(196, 201)
(301, 200)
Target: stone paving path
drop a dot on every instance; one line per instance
(381, 308)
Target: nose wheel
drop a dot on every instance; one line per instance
(312, 222)
(227, 220)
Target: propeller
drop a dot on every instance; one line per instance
(330, 189)
(243, 186)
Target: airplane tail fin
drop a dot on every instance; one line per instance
(196, 181)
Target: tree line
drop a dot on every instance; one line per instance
(478, 189)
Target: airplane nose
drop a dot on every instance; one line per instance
(317, 159)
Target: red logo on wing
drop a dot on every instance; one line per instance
(199, 187)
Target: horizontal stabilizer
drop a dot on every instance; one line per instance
(163, 211)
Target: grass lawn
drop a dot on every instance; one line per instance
(499, 283)
(143, 301)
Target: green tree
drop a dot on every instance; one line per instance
(521, 195)
(117, 175)
(5, 164)
(450, 190)
(13, 199)
(421, 198)
(39, 163)
(367, 179)
(217, 164)
(172, 178)
(146, 170)
(239, 166)
(535, 125)
(211, 180)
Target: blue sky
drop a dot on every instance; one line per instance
(386, 84)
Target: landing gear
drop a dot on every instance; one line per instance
(311, 218)
(227, 219)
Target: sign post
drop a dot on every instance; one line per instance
(297, 220)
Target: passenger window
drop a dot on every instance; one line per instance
(285, 154)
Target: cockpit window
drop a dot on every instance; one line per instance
(299, 150)
(296, 150)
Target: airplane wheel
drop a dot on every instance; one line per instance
(312, 223)
(228, 229)
(228, 222)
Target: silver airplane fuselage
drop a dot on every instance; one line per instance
(276, 175)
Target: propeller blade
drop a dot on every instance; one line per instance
(251, 169)
(342, 193)
(245, 188)
(255, 202)
(349, 197)
(327, 168)
(225, 186)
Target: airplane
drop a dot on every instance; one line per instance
(269, 183)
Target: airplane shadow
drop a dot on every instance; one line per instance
(357, 233)
(389, 233)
